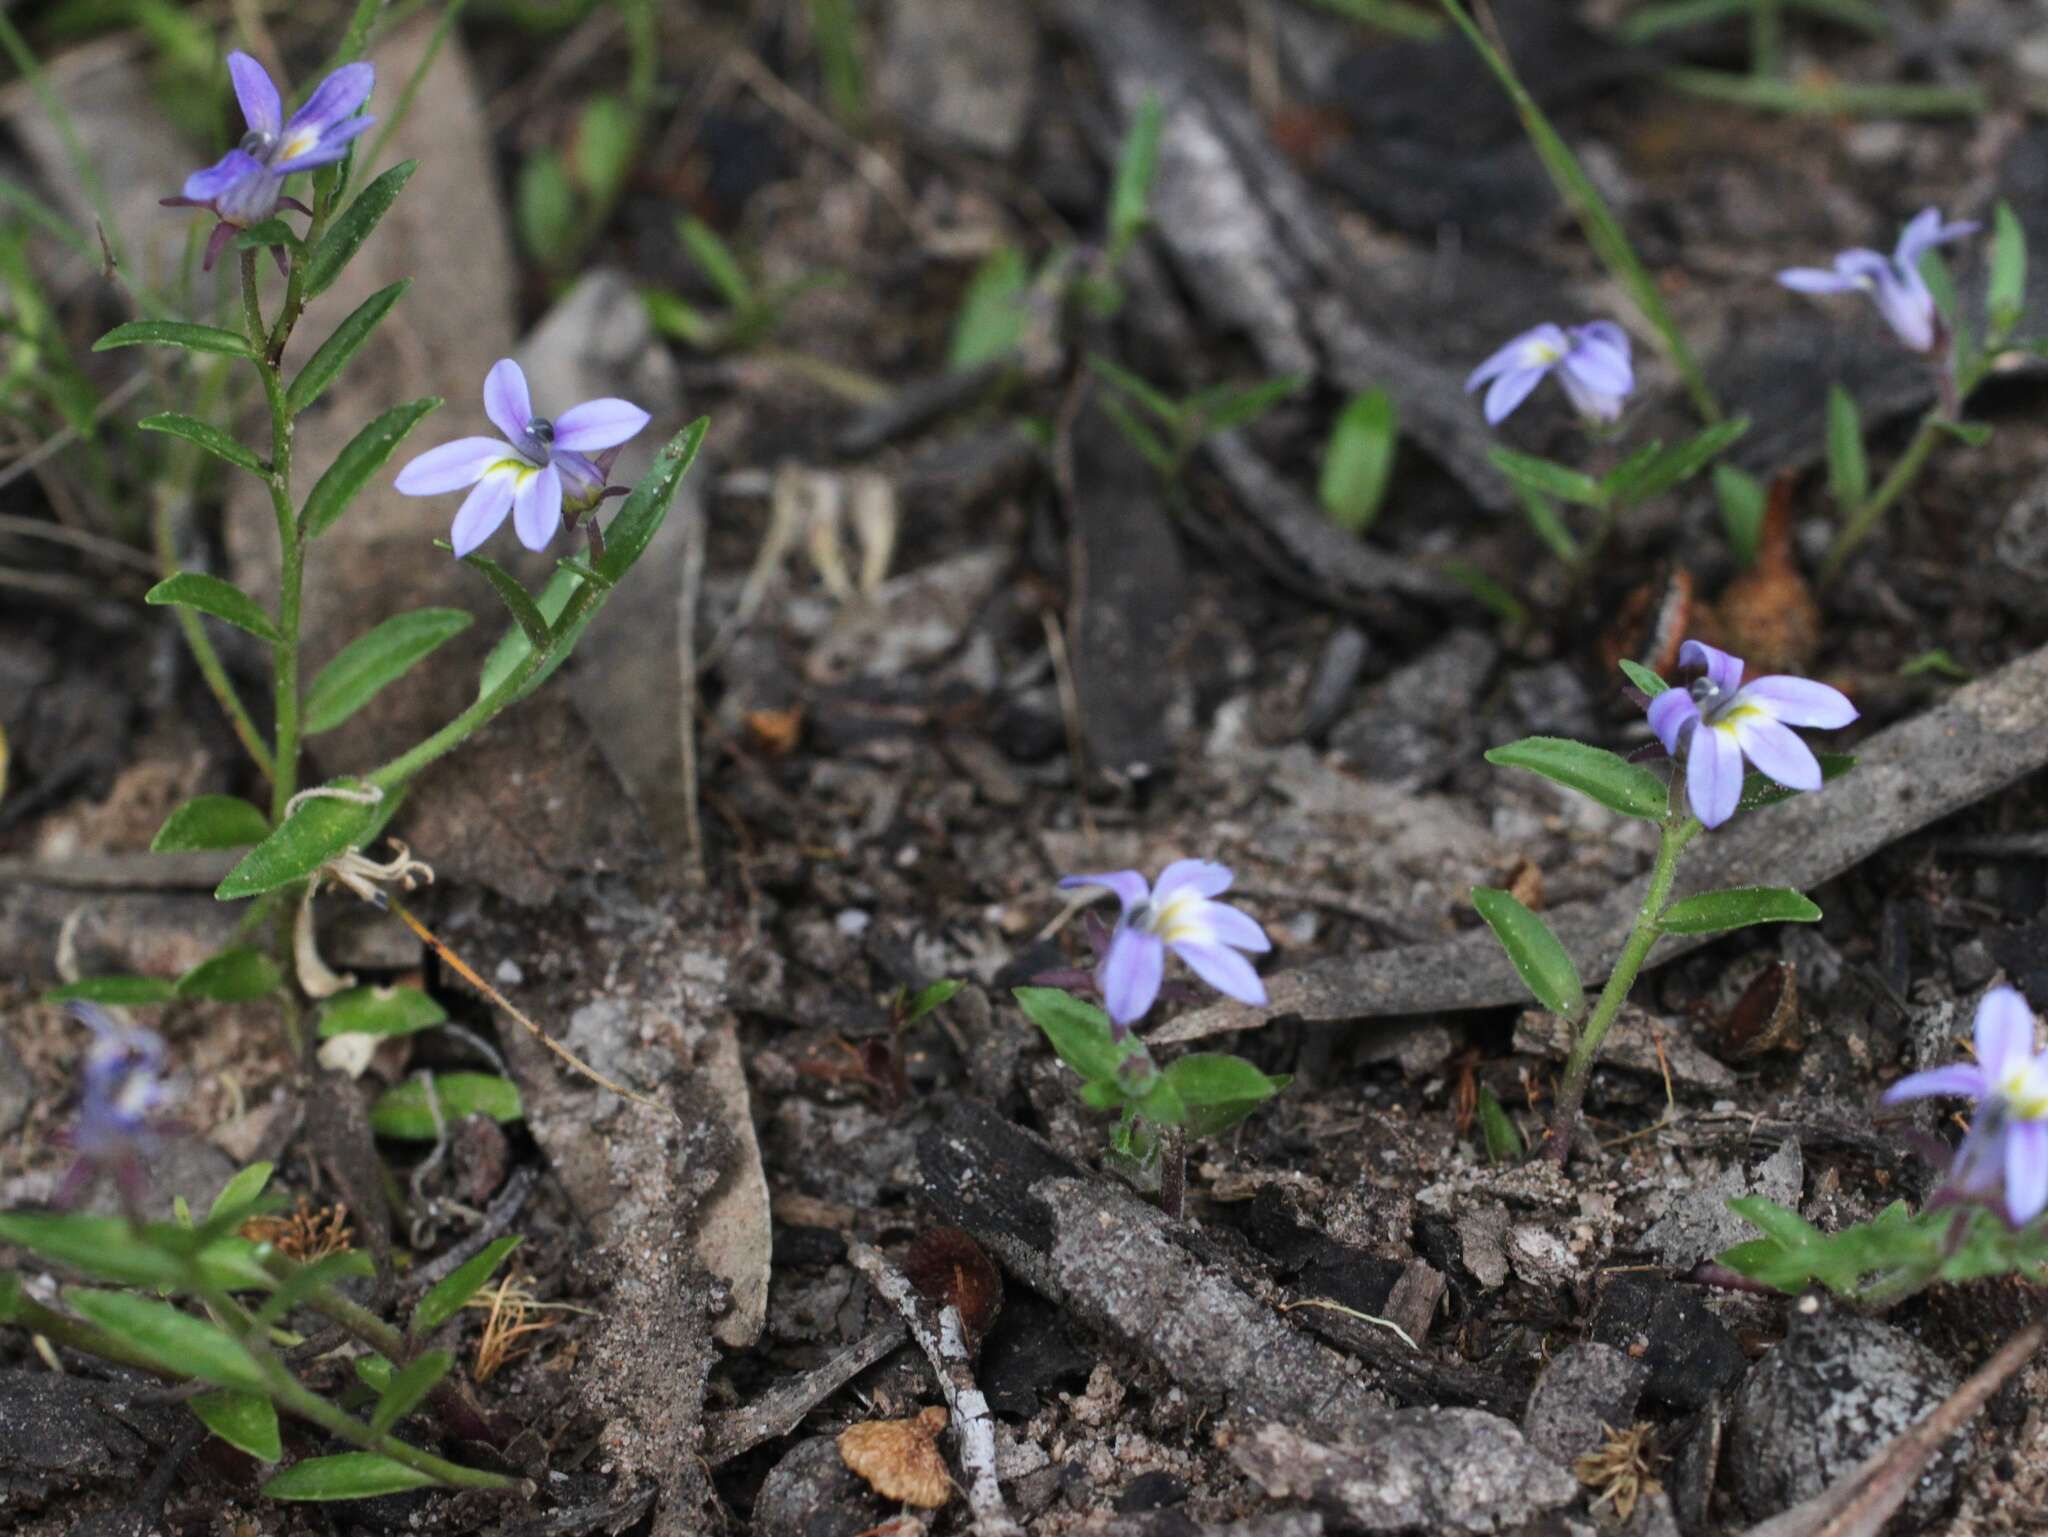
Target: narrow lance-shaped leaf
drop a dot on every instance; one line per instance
(174, 333)
(1593, 771)
(1137, 166)
(241, 1192)
(1542, 963)
(1743, 503)
(333, 355)
(1676, 465)
(344, 1476)
(448, 1295)
(210, 822)
(271, 232)
(1359, 460)
(355, 464)
(210, 595)
(369, 662)
(209, 437)
(409, 1384)
(1759, 791)
(175, 1340)
(1643, 678)
(1848, 470)
(345, 236)
(1548, 526)
(2007, 294)
(126, 992)
(1712, 912)
(513, 594)
(1546, 478)
(321, 828)
(715, 260)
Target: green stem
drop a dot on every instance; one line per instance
(1867, 515)
(197, 642)
(1766, 38)
(88, 1339)
(1678, 829)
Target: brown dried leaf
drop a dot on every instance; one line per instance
(900, 1458)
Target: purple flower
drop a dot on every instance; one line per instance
(543, 470)
(1893, 282)
(1591, 362)
(1179, 914)
(2007, 1144)
(124, 1090)
(243, 186)
(1720, 720)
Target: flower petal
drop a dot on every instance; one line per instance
(1817, 280)
(1599, 358)
(1908, 308)
(537, 511)
(2004, 1030)
(1130, 975)
(1799, 701)
(599, 424)
(1539, 346)
(340, 95)
(1724, 670)
(452, 466)
(582, 481)
(506, 401)
(1964, 1079)
(1223, 969)
(1235, 927)
(1130, 887)
(1207, 877)
(1713, 774)
(206, 187)
(1594, 404)
(262, 109)
(1775, 750)
(1510, 390)
(483, 510)
(2026, 1170)
(327, 147)
(1923, 232)
(1669, 712)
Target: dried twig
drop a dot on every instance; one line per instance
(781, 1409)
(944, 1342)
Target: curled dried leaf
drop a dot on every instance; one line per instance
(948, 1268)
(900, 1459)
(1766, 1017)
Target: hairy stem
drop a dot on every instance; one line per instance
(1679, 829)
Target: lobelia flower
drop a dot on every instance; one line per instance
(124, 1090)
(1720, 720)
(1179, 913)
(2006, 1147)
(1893, 282)
(244, 186)
(1591, 362)
(544, 470)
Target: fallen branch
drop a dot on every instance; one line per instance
(782, 1408)
(1980, 739)
(944, 1341)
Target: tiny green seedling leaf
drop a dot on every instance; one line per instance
(403, 1113)
(380, 1011)
(240, 1194)
(926, 999)
(1215, 1091)
(1606, 777)
(1079, 1032)
(1848, 469)
(1743, 502)
(1359, 460)
(1503, 1141)
(210, 822)
(2006, 297)
(1643, 678)
(233, 976)
(449, 1295)
(1543, 964)
(1713, 912)
(1137, 165)
(993, 315)
(210, 595)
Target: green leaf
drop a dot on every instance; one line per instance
(450, 1294)
(715, 260)
(1137, 164)
(1230, 406)
(1549, 526)
(936, 996)
(105, 1248)
(992, 317)
(544, 208)
(1643, 678)
(174, 1340)
(513, 647)
(327, 1271)
(240, 1194)
(1674, 466)
(369, 662)
(1608, 778)
(1848, 470)
(411, 1383)
(513, 594)
(209, 437)
(1502, 604)
(1359, 460)
(1216, 1090)
(1743, 503)
(271, 232)
(1145, 393)
(174, 333)
(344, 1476)
(1938, 662)
(321, 828)
(128, 992)
(380, 1011)
(2006, 297)
(1617, 481)
(333, 355)
(1545, 478)
(1142, 438)
(210, 595)
(1079, 1032)
(606, 136)
(1503, 1142)
(1941, 284)
(1542, 963)
(210, 822)
(233, 976)
(402, 1113)
(374, 1372)
(1975, 434)
(1758, 791)
(345, 236)
(246, 1421)
(1713, 912)
(640, 517)
(355, 464)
